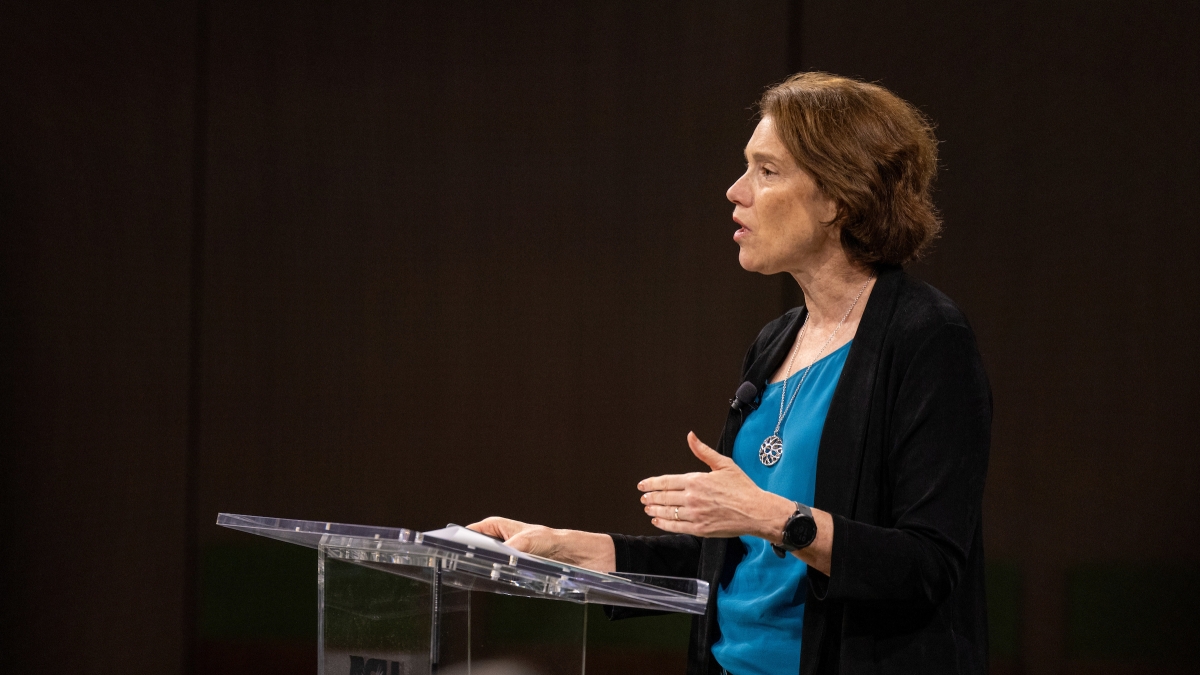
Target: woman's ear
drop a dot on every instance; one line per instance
(828, 210)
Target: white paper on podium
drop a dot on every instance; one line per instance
(461, 535)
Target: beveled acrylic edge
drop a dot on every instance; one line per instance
(635, 590)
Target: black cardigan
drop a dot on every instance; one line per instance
(901, 467)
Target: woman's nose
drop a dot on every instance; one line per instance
(737, 193)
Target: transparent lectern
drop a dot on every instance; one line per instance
(393, 601)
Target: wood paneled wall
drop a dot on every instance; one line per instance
(1068, 185)
(96, 123)
(463, 258)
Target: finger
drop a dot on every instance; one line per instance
(487, 526)
(677, 526)
(668, 482)
(665, 498)
(500, 528)
(676, 513)
(712, 458)
(523, 541)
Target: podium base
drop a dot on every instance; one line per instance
(403, 620)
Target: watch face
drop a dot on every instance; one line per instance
(800, 531)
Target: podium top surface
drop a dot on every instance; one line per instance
(487, 567)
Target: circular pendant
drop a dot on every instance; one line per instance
(771, 450)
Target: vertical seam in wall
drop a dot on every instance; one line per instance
(191, 581)
(795, 42)
(789, 292)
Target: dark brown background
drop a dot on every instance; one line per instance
(410, 263)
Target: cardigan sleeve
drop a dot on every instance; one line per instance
(671, 555)
(936, 463)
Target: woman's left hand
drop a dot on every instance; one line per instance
(721, 503)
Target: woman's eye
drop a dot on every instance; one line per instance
(766, 172)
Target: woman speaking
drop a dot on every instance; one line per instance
(839, 521)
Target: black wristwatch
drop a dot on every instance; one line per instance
(798, 532)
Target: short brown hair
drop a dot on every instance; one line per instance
(868, 150)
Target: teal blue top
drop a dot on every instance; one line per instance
(761, 610)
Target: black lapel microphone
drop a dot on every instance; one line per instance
(744, 397)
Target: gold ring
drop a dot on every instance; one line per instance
(676, 513)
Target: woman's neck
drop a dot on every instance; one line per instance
(830, 288)
(830, 292)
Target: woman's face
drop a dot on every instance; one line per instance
(782, 215)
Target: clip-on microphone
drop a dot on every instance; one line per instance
(744, 397)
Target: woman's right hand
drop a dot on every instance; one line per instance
(535, 539)
(574, 547)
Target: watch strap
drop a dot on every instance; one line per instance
(782, 549)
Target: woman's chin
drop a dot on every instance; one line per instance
(752, 264)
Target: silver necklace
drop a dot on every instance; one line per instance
(771, 450)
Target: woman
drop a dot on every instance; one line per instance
(839, 523)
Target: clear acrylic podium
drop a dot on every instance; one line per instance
(393, 601)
